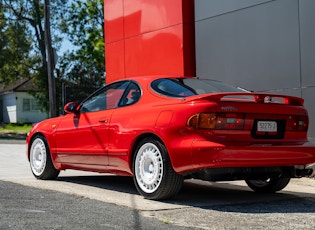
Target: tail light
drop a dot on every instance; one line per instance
(297, 123)
(216, 121)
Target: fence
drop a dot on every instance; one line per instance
(75, 93)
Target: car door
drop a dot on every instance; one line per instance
(121, 132)
(82, 137)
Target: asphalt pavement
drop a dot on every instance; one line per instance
(23, 207)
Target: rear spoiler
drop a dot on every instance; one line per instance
(260, 98)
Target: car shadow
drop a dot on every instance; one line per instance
(111, 182)
(222, 196)
(227, 197)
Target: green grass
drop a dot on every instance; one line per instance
(18, 128)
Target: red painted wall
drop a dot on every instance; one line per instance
(149, 37)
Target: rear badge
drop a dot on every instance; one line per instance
(229, 108)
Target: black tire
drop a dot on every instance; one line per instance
(40, 159)
(268, 186)
(154, 176)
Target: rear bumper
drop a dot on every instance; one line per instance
(207, 154)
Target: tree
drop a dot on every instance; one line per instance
(50, 62)
(80, 21)
(84, 25)
(30, 14)
(15, 59)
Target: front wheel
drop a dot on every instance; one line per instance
(154, 175)
(269, 185)
(40, 160)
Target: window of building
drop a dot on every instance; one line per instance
(26, 105)
(30, 105)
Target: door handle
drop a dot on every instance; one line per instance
(103, 121)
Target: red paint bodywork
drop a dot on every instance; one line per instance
(105, 141)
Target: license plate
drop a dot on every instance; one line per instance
(267, 126)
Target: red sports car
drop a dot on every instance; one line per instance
(162, 130)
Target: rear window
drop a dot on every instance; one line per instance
(183, 87)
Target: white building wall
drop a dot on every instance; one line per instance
(12, 109)
(262, 45)
(32, 116)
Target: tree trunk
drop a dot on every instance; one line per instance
(50, 63)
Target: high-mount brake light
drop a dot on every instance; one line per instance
(216, 121)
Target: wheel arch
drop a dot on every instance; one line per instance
(136, 143)
(31, 139)
(34, 135)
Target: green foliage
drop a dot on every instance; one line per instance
(84, 25)
(15, 61)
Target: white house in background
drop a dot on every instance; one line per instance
(17, 105)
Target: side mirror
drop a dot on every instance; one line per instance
(71, 107)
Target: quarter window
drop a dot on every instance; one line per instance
(132, 95)
(107, 97)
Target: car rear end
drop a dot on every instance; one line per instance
(249, 136)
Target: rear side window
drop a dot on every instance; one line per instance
(172, 88)
(183, 87)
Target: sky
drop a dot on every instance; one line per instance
(66, 46)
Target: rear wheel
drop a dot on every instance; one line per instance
(269, 185)
(154, 176)
(40, 160)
